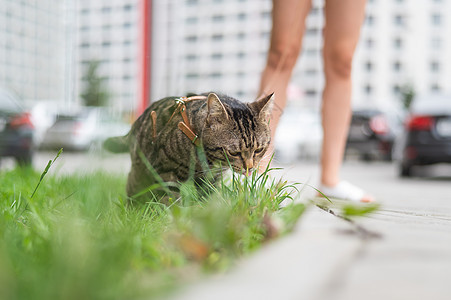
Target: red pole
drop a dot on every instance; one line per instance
(145, 55)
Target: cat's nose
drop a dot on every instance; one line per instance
(248, 164)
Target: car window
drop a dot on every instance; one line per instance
(65, 118)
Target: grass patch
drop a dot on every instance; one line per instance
(74, 237)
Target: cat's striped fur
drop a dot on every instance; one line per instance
(228, 130)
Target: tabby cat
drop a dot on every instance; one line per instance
(167, 137)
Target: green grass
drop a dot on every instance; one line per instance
(74, 237)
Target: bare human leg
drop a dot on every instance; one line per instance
(341, 34)
(286, 38)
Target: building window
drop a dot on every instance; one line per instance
(314, 11)
(312, 31)
(216, 56)
(192, 75)
(241, 36)
(266, 15)
(191, 38)
(311, 92)
(398, 43)
(217, 19)
(215, 75)
(397, 66)
(436, 19)
(128, 7)
(399, 20)
(242, 16)
(217, 37)
(369, 20)
(191, 57)
(369, 66)
(435, 87)
(396, 89)
(368, 89)
(369, 42)
(106, 9)
(310, 52)
(434, 66)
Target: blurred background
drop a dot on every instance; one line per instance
(73, 72)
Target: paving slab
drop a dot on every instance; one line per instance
(295, 267)
(324, 260)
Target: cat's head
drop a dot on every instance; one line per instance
(237, 132)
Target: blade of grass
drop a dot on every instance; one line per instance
(46, 170)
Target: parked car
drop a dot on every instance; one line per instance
(426, 138)
(16, 129)
(372, 133)
(83, 130)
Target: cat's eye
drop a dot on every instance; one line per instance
(259, 150)
(232, 153)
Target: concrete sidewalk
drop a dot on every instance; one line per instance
(296, 267)
(325, 257)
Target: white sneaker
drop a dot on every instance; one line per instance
(346, 191)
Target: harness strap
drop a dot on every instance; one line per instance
(153, 115)
(189, 133)
(185, 125)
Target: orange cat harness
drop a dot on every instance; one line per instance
(184, 125)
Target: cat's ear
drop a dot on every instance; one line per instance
(216, 110)
(263, 106)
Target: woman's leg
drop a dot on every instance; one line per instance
(286, 38)
(341, 34)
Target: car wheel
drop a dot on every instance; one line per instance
(387, 157)
(366, 157)
(405, 170)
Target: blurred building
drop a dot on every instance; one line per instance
(32, 48)
(403, 43)
(107, 32)
(46, 47)
(202, 45)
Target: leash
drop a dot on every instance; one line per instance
(184, 125)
